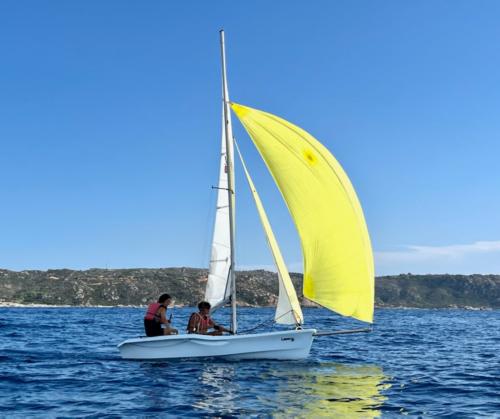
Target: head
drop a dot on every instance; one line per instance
(204, 307)
(165, 299)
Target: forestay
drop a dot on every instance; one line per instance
(338, 261)
(288, 309)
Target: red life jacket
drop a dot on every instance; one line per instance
(152, 312)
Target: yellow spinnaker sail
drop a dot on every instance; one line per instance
(338, 260)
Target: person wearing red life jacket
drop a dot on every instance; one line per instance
(155, 319)
(201, 322)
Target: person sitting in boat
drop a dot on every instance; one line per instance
(155, 320)
(201, 322)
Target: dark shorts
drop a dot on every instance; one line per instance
(152, 328)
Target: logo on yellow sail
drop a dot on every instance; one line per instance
(310, 157)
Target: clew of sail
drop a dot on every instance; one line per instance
(338, 261)
(218, 290)
(288, 309)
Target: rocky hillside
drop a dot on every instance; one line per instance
(429, 291)
(187, 285)
(129, 286)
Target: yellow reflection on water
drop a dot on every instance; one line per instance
(277, 389)
(331, 390)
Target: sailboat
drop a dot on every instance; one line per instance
(337, 255)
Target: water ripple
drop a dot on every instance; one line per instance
(64, 362)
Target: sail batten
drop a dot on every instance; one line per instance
(338, 261)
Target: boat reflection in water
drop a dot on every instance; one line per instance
(292, 390)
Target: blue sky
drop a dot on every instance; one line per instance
(110, 126)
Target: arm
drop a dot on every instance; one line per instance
(222, 329)
(163, 316)
(219, 327)
(193, 324)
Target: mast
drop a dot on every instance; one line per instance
(230, 172)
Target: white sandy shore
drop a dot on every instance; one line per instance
(4, 304)
(34, 305)
(10, 304)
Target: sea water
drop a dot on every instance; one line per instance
(64, 362)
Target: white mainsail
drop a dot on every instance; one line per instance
(218, 289)
(288, 309)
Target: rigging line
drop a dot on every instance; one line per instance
(270, 320)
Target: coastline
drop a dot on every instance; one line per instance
(9, 304)
(136, 287)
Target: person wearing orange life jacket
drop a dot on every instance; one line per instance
(201, 322)
(155, 319)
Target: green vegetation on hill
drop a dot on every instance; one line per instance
(430, 291)
(187, 285)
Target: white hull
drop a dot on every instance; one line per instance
(291, 344)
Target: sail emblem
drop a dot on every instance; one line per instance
(310, 157)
